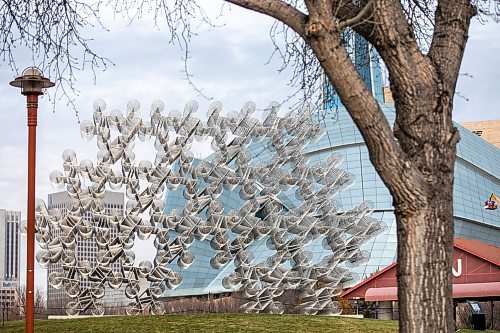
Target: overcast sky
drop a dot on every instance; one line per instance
(228, 63)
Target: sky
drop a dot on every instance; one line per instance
(228, 62)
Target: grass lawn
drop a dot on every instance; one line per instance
(210, 323)
(207, 323)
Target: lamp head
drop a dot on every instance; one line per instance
(32, 82)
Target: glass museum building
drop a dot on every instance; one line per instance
(477, 176)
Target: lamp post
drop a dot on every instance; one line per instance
(32, 83)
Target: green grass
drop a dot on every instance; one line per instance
(211, 323)
(207, 323)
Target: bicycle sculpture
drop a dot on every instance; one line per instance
(286, 232)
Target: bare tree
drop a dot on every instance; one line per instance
(20, 304)
(421, 43)
(56, 33)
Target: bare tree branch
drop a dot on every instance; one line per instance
(359, 18)
(450, 35)
(278, 9)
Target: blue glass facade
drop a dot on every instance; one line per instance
(477, 175)
(477, 168)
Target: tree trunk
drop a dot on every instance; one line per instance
(425, 253)
(418, 171)
(424, 210)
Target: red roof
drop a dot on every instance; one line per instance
(365, 281)
(485, 251)
(482, 250)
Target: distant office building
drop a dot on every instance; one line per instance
(488, 130)
(9, 255)
(86, 249)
